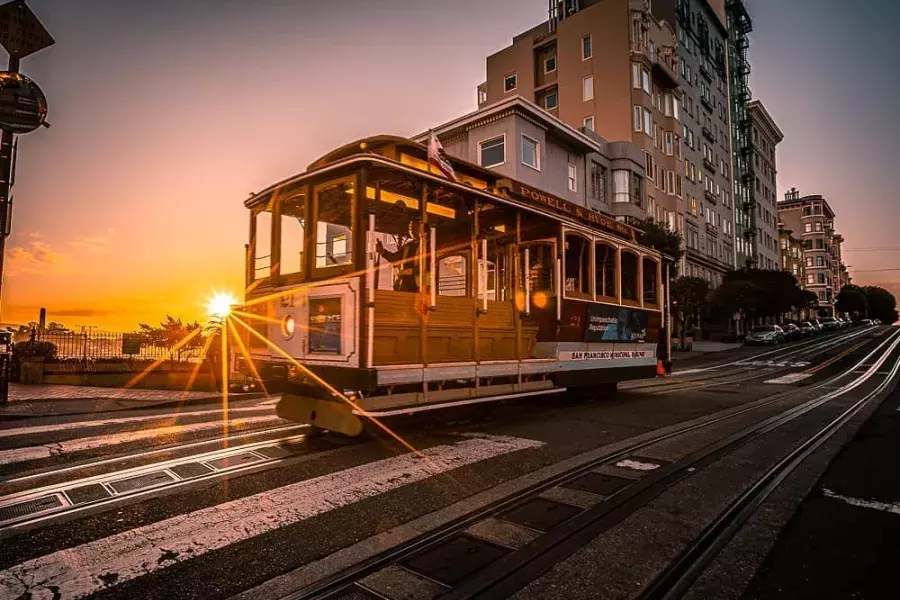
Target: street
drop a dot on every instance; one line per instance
(712, 483)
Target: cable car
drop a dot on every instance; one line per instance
(377, 286)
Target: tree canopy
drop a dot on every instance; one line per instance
(852, 299)
(169, 333)
(882, 304)
(689, 297)
(760, 293)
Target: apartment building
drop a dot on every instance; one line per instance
(521, 140)
(609, 67)
(791, 253)
(812, 219)
(706, 135)
(739, 26)
(764, 138)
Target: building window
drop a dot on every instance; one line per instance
(550, 64)
(818, 226)
(649, 168)
(808, 228)
(598, 181)
(551, 101)
(820, 261)
(586, 50)
(645, 80)
(492, 152)
(573, 178)
(636, 75)
(821, 277)
(637, 187)
(669, 145)
(648, 123)
(638, 120)
(509, 84)
(589, 123)
(587, 88)
(676, 110)
(531, 153)
(621, 186)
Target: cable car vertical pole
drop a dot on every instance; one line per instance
(6, 175)
(667, 313)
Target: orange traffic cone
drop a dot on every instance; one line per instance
(660, 369)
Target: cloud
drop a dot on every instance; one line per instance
(36, 257)
(87, 312)
(95, 244)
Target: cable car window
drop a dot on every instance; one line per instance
(629, 276)
(262, 236)
(605, 260)
(578, 266)
(651, 278)
(293, 227)
(334, 235)
(541, 266)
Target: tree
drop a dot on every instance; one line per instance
(170, 333)
(689, 297)
(54, 327)
(658, 236)
(882, 304)
(852, 299)
(760, 293)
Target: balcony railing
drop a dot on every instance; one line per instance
(707, 133)
(711, 197)
(712, 229)
(710, 165)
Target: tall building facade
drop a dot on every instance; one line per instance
(792, 253)
(607, 66)
(706, 136)
(812, 220)
(739, 27)
(764, 138)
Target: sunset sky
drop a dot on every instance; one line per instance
(166, 114)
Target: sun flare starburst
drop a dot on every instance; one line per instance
(219, 306)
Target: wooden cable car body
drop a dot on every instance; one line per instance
(486, 289)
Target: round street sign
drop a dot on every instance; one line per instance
(23, 106)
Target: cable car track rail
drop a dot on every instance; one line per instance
(507, 574)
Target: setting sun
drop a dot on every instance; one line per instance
(220, 304)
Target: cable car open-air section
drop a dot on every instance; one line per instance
(380, 287)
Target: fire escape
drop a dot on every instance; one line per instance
(739, 27)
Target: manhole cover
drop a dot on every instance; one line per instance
(188, 470)
(234, 461)
(141, 481)
(598, 483)
(87, 493)
(456, 560)
(541, 514)
(29, 507)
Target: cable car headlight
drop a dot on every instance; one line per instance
(287, 327)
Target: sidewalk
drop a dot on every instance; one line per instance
(56, 400)
(703, 347)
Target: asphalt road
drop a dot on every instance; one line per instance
(182, 504)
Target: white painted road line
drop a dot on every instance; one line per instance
(790, 378)
(86, 569)
(637, 465)
(16, 455)
(873, 504)
(14, 431)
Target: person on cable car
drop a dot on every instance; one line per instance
(404, 259)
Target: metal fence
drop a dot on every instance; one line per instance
(99, 345)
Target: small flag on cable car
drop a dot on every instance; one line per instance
(438, 157)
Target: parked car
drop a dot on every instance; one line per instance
(765, 334)
(792, 333)
(807, 329)
(868, 322)
(830, 324)
(844, 323)
(817, 325)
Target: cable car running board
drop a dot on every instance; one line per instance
(439, 405)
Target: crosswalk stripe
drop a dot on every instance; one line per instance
(16, 455)
(12, 432)
(88, 568)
